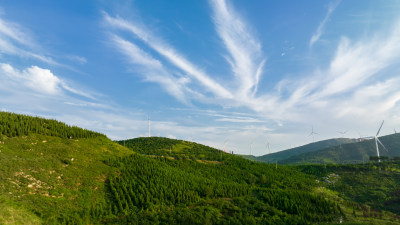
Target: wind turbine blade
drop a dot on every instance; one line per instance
(379, 128)
(382, 144)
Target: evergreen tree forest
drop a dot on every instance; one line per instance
(14, 125)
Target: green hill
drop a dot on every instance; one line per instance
(358, 152)
(312, 147)
(52, 173)
(369, 188)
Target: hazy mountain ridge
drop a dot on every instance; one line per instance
(357, 152)
(341, 150)
(312, 147)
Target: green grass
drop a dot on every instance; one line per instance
(52, 176)
(13, 214)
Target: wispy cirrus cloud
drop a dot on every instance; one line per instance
(244, 55)
(341, 90)
(13, 32)
(15, 40)
(245, 51)
(359, 62)
(153, 69)
(317, 35)
(170, 54)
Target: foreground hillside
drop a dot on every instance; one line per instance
(51, 178)
(52, 173)
(372, 187)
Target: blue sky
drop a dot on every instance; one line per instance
(219, 72)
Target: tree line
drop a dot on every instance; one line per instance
(13, 125)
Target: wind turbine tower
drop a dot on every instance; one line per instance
(378, 141)
(312, 134)
(269, 150)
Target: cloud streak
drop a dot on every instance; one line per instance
(245, 54)
(317, 35)
(37, 80)
(14, 41)
(153, 69)
(170, 54)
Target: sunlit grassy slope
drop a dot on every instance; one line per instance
(50, 176)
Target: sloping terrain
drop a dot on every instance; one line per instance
(358, 152)
(372, 187)
(312, 147)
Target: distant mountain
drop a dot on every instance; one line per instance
(348, 153)
(283, 155)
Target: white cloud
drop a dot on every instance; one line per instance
(79, 59)
(170, 54)
(244, 49)
(317, 35)
(355, 64)
(13, 32)
(153, 69)
(36, 79)
(15, 40)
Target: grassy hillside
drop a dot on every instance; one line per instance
(47, 177)
(179, 149)
(372, 187)
(53, 177)
(312, 147)
(358, 152)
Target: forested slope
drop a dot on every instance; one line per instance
(14, 125)
(358, 152)
(372, 187)
(309, 148)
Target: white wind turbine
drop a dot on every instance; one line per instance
(342, 132)
(312, 133)
(378, 141)
(269, 150)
